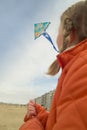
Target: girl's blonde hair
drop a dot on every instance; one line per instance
(75, 17)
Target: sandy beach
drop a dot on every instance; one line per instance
(11, 116)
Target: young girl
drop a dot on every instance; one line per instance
(69, 105)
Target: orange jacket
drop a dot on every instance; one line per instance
(69, 105)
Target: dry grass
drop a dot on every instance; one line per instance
(11, 116)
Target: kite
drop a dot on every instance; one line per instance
(40, 29)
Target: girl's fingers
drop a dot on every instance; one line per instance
(31, 111)
(31, 101)
(30, 104)
(30, 107)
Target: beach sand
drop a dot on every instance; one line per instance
(11, 116)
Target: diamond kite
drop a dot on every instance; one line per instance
(40, 29)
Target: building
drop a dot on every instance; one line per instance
(45, 100)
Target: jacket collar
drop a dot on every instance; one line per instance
(64, 57)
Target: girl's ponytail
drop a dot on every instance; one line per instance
(54, 68)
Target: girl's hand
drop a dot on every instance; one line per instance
(31, 110)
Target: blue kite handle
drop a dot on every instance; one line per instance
(46, 35)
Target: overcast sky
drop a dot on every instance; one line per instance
(23, 60)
